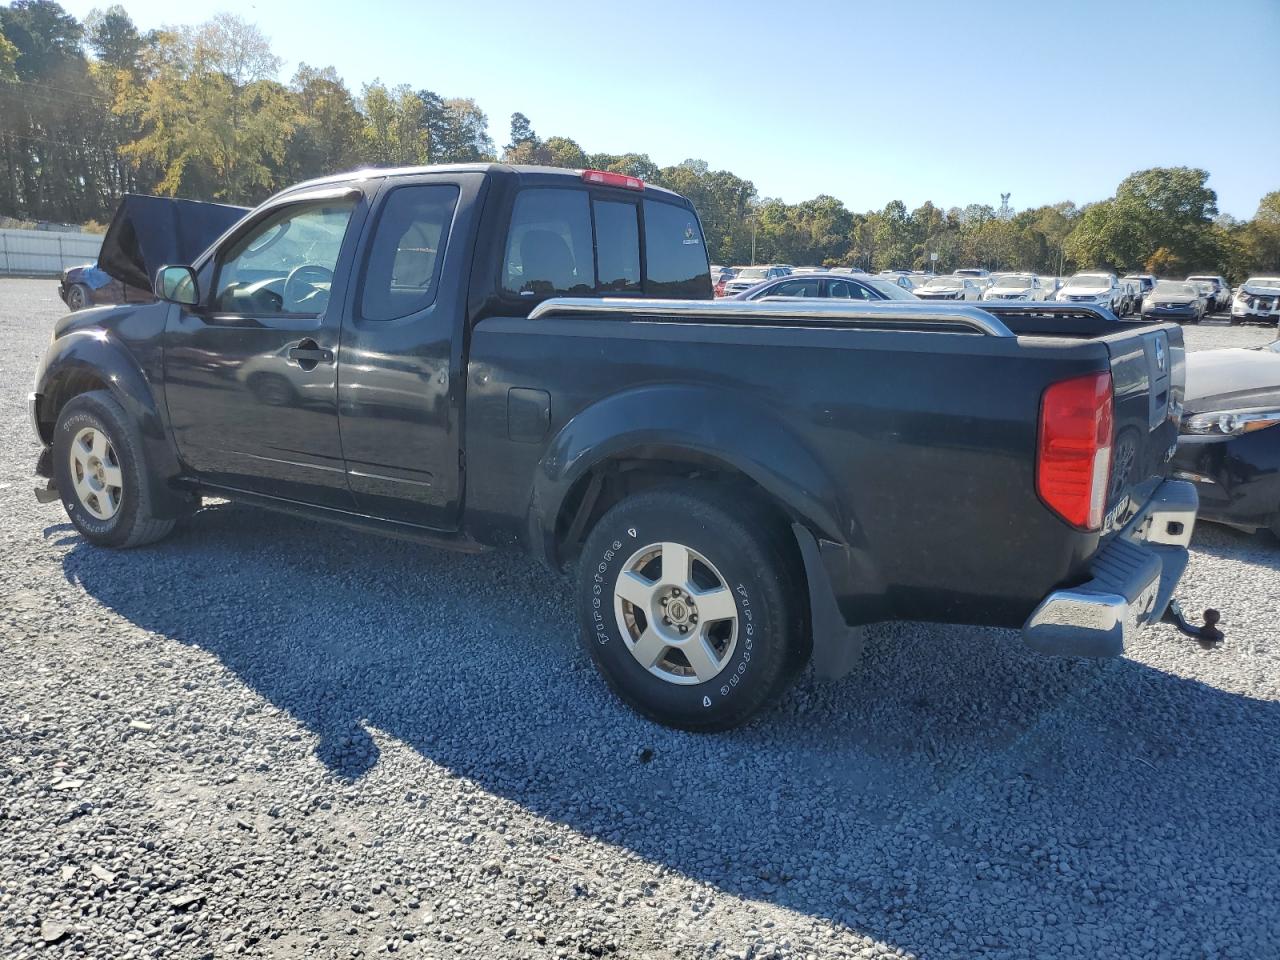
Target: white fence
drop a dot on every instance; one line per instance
(40, 253)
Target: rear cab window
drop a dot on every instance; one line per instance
(675, 253)
(580, 242)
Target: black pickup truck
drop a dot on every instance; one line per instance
(516, 357)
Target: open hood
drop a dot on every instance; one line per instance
(1232, 377)
(148, 232)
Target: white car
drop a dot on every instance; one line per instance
(1017, 286)
(748, 277)
(1098, 289)
(1221, 290)
(949, 288)
(1257, 299)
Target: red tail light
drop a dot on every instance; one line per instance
(1073, 459)
(607, 179)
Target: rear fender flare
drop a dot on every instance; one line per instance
(666, 419)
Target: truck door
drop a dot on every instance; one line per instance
(250, 373)
(400, 380)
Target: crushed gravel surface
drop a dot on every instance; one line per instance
(266, 737)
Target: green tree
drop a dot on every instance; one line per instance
(563, 152)
(8, 59)
(521, 133)
(394, 132)
(213, 119)
(894, 239)
(46, 36)
(114, 38)
(1260, 239)
(329, 132)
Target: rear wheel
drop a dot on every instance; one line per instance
(689, 608)
(101, 474)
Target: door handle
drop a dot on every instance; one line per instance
(308, 353)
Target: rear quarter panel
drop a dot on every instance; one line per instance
(915, 452)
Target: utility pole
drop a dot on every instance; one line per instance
(753, 239)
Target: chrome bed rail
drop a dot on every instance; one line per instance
(886, 315)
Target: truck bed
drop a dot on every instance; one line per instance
(909, 431)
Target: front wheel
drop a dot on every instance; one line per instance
(79, 297)
(101, 474)
(688, 605)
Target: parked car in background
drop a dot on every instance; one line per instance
(1099, 289)
(719, 277)
(1207, 293)
(975, 273)
(747, 277)
(1174, 300)
(900, 278)
(1229, 445)
(950, 288)
(88, 286)
(1131, 301)
(1257, 299)
(1221, 290)
(1145, 282)
(828, 286)
(1016, 286)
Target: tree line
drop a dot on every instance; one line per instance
(91, 110)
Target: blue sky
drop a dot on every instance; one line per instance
(949, 102)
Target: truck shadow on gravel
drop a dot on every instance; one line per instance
(956, 794)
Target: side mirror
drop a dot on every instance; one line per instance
(177, 284)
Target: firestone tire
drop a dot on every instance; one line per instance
(101, 474)
(734, 562)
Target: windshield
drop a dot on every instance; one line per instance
(1263, 282)
(1089, 280)
(966, 273)
(753, 273)
(1167, 288)
(889, 289)
(1017, 283)
(944, 283)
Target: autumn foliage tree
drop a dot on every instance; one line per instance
(90, 110)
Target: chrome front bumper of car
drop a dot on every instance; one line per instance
(1134, 577)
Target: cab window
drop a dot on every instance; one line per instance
(675, 255)
(405, 254)
(284, 265)
(617, 246)
(549, 246)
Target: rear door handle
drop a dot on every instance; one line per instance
(308, 353)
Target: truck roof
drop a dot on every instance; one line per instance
(524, 172)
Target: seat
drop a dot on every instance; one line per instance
(546, 259)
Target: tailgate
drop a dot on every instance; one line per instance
(1147, 373)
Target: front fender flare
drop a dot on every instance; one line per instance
(93, 351)
(658, 419)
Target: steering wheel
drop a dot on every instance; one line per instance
(302, 283)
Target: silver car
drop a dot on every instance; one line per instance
(748, 277)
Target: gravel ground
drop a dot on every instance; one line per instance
(265, 737)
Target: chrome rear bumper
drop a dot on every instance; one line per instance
(1134, 577)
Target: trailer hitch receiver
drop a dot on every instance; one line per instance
(1208, 635)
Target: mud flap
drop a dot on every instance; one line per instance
(837, 647)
